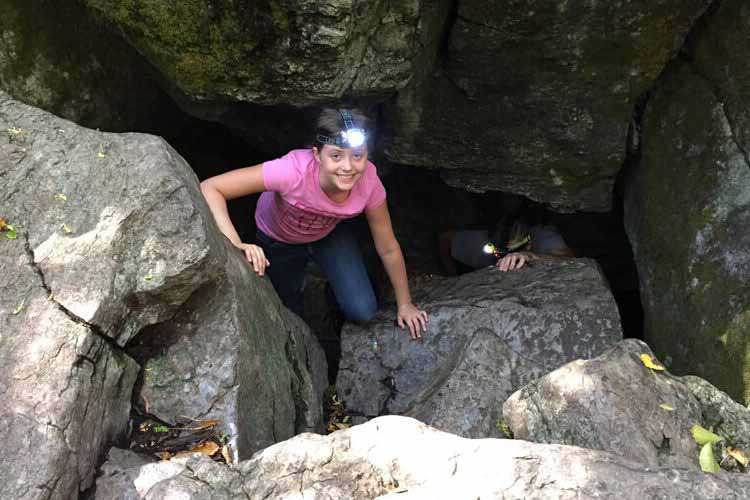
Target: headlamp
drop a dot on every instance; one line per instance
(500, 251)
(350, 137)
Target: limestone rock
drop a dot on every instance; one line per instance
(536, 99)
(397, 457)
(687, 211)
(611, 403)
(56, 56)
(116, 476)
(489, 334)
(291, 53)
(114, 236)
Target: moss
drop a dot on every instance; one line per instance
(201, 49)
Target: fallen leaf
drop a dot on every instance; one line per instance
(665, 406)
(648, 362)
(207, 448)
(101, 154)
(737, 455)
(706, 459)
(2, 224)
(148, 277)
(67, 228)
(61, 197)
(340, 426)
(51, 296)
(161, 428)
(19, 307)
(704, 436)
(164, 455)
(16, 131)
(226, 452)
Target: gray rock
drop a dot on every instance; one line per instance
(114, 236)
(489, 333)
(292, 53)
(116, 476)
(397, 457)
(722, 414)
(536, 99)
(56, 56)
(611, 403)
(687, 211)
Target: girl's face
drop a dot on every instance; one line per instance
(340, 168)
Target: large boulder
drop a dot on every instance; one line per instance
(272, 52)
(687, 207)
(536, 99)
(401, 458)
(489, 334)
(612, 403)
(56, 56)
(114, 236)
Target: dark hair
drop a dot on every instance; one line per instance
(330, 123)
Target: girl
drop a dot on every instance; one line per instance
(306, 195)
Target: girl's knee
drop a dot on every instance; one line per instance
(361, 310)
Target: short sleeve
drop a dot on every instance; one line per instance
(377, 191)
(282, 174)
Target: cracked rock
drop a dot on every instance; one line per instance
(489, 334)
(400, 458)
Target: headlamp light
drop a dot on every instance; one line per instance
(513, 246)
(350, 137)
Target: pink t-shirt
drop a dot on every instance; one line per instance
(294, 208)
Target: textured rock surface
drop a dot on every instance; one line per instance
(114, 236)
(611, 403)
(721, 413)
(397, 457)
(272, 52)
(55, 56)
(536, 98)
(688, 209)
(116, 476)
(489, 334)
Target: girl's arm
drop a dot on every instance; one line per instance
(228, 186)
(393, 260)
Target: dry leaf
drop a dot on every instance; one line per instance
(67, 228)
(61, 197)
(207, 448)
(648, 362)
(226, 452)
(340, 426)
(19, 307)
(665, 406)
(737, 455)
(2, 223)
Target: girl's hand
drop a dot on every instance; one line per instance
(255, 256)
(513, 261)
(413, 318)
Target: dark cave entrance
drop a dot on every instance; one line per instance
(421, 206)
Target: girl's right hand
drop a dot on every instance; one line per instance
(255, 256)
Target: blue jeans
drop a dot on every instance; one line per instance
(339, 257)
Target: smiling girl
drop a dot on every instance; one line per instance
(308, 195)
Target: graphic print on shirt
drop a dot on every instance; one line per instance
(297, 220)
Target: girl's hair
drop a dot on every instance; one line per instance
(330, 123)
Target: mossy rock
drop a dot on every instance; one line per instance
(687, 214)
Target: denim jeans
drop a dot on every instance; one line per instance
(339, 257)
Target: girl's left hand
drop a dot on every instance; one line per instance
(513, 261)
(412, 317)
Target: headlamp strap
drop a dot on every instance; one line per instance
(347, 116)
